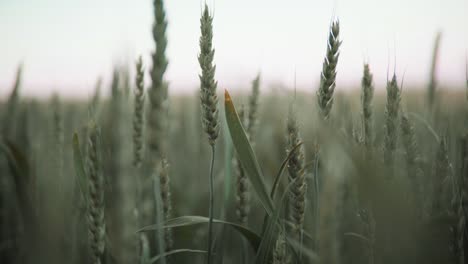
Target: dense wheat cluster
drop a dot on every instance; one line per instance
(365, 175)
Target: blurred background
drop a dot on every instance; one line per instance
(66, 45)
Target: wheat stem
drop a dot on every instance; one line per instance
(211, 206)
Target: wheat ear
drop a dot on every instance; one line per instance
(96, 216)
(296, 166)
(138, 115)
(328, 76)
(392, 111)
(367, 94)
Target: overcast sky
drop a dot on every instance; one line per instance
(66, 44)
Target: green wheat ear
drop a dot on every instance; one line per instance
(242, 183)
(253, 109)
(367, 94)
(208, 85)
(138, 114)
(296, 165)
(392, 111)
(158, 92)
(96, 216)
(328, 76)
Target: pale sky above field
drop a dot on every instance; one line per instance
(66, 44)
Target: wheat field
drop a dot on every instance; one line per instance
(272, 175)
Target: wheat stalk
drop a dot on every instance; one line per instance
(209, 103)
(209, 99)
(328, 245)
(157, 115)
(367, 218)
(58, 133)
(166, 201)
(461, 200)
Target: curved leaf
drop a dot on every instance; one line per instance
(270, 231)
(246, 155)
(253, 238)
(277, 180)
(19, 167)
(173, 252)
(281, 170)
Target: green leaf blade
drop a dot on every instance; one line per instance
(246, 155)
(253, 238)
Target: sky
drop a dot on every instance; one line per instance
(65, 45)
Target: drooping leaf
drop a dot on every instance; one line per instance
(246, 155)
(177, 251)
(253, 238)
